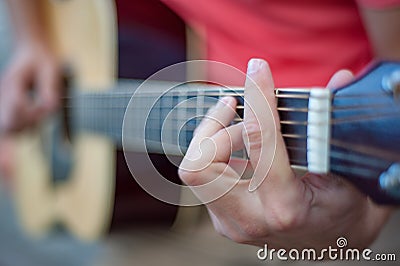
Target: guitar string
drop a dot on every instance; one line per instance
(220, 93)
(354, 118)
(373, 152)
(367, 168)
(373, 160)
(240, 107)
(360, 164)
(217, 93)
(359, 171)
(376, 153)
(281, 109)
(335, 121)
(370, 163)
(344, 156)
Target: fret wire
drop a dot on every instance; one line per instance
(199, 106)
(133, 84)
(332, 142)
(149, 95)
(129, 96)
(181, 116)
(283, 109)
(356, 118)
(333, 155)
(169, 103)
(305, 123)
(192, 128)
(240, 107)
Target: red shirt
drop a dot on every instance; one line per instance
(150, 37)
(305, 41)
(148, 14)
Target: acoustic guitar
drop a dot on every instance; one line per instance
(352, 131)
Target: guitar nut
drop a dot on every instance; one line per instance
(389, 180)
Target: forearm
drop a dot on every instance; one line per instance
(28, 21)
(383, 29)
(378, 216)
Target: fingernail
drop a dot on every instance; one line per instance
(254, 65)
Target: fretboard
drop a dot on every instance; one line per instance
(165, 122)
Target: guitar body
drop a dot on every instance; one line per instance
(86, 41)
(79, 179)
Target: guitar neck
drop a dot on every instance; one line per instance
(166, 121)
(338, 132)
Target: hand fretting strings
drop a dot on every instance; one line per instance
(126, 96)
(119, 101)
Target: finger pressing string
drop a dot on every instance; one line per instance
(217, 117)
(264, 145)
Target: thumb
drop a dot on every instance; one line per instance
(261, 133)
(340, 78)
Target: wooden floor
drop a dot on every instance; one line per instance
(204, 247)
(197, 247)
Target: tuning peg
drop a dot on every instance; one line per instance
(389, 180)
(391, 83)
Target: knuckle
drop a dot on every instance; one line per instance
(255, 145)
(252, 133)
(189, 178)
(252, 129)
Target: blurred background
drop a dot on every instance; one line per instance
(131, 241)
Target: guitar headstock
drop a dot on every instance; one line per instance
(365, 132)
